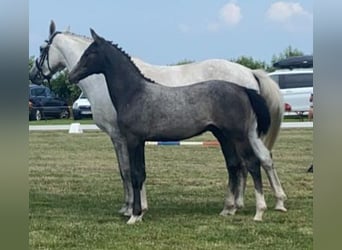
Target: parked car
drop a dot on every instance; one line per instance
(295, 80)
(43, 103)
(81, 107)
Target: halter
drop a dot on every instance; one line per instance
(45, 55)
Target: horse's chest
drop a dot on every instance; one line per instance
(131, 122)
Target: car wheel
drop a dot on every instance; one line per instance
(64, 114)
(76, 115)
(38, 115)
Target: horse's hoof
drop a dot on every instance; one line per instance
(134, 219)
(125, 210)
(280, 206)
(239, 204)
(259, 213)
(226, 212)
(257, 218)
(128, 212)
(281, 209)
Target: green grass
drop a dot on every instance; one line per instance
(76, 190)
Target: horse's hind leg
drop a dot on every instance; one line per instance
(254, 169)
(120, 147)
(252, 163)
(236, 178)
(240, 190)
(263, 154)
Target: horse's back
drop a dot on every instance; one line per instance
(186, 74)
(202, 100)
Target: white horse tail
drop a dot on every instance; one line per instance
(269, 90)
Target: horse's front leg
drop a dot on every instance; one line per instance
(138, 176)
(120, 146)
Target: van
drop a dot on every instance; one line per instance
(296, 86)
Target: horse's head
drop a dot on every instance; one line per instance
(92, 60)
(49, 61)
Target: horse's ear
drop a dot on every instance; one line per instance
(67, 29)
(52, 27)
(95, 36)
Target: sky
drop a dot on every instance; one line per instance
(166, 32)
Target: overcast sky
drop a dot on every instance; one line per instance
(166, 32)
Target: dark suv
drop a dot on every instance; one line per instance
(44, 103)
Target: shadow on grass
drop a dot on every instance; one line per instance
(104, 208)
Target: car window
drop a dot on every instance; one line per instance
(42, 92)
(50, 93)
(83, 96)
(38, 92)
(300, 80)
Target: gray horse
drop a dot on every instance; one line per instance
(63, 49)
(146, 110)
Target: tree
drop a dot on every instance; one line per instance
(182, 62)
(31, 62)
(249, 62)
(60, 85)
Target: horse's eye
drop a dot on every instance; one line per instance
(42, 48)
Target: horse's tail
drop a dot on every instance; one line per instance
(261, 111)
(269, 90)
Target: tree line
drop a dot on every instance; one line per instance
(61, 86)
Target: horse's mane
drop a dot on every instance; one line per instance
(89, 39)
(116, 46)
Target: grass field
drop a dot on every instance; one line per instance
(76, 191)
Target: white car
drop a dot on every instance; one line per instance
(296, 86)
(81, 107)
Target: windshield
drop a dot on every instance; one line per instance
(83, 96)
(38, 92)
(42, 92)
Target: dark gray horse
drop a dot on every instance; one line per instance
(237, 116)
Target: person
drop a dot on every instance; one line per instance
(310, 115)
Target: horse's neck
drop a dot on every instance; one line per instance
(123, 78)
(70, 48)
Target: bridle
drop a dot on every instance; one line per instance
(44, 55)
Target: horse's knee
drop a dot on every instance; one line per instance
(267, 163)
(137, 182)
(138, 178)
